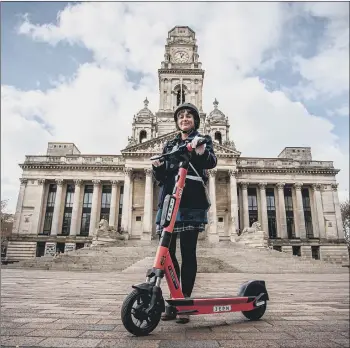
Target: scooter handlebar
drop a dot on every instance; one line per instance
(181, 148)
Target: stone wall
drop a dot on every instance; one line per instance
(335, 254)
(17, 251)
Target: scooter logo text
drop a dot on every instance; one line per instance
(217, 309)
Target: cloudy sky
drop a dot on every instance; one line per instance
(78, 72)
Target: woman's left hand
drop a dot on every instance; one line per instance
(200, 149)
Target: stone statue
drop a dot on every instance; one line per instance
(256, 226)
(107, 234)
(131, 141)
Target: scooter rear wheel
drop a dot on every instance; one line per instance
(258, 312)
(134, 316)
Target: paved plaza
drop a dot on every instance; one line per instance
(53, 308)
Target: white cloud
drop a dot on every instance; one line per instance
(94, 107)
(342, 111)
(328, 71)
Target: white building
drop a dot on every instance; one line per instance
(64, 194)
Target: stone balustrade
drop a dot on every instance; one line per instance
(76, 159)
(282, 163)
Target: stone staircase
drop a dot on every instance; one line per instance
(225, 257)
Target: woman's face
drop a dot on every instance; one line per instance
(185, 120)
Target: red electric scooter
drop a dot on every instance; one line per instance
(142, 308)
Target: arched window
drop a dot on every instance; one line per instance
(143, 136)
(218, 137)
(180, 99)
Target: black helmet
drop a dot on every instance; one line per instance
(194, 112)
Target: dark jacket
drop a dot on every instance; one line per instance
(192, 207)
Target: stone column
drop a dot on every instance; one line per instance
(147, 214)
(282, 209)
(234, 202)
(38, 212)
(213, 236)
(245, 205)
(300, 210)
(319, 210)
(340, 229)
(57, 208)
(113, 208)
(19, 205)
(263, 204)
(75, 222)
(126, 199)
(95, 195)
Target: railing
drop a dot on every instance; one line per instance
(76, 159)
(282, 163)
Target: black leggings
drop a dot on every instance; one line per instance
(188, 246)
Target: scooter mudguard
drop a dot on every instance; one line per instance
(253, 288)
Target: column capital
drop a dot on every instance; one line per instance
(78, 182)
(41, 181)
(59, 182)
(23, 181)
(96, 182)
(212, 172)
(334, 187)
(148, 171)
(262, 185)
(128, 171)
(114, 182)
(233, 172)
(244, 185)
(280, 185)
(316, 187)
(298, 185)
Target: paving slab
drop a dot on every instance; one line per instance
(57, 308)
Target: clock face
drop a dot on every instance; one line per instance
(181, 57)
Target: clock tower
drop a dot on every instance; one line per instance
(180, 77)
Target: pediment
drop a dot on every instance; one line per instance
(155, 146)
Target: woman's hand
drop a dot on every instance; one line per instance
(200, 149)
(157, 163)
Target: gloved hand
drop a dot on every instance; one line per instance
(157, 163)
(200, 149)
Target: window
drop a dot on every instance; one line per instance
(307, 213)
(106, 202)
(60, 248)
(252, 206)
(296, 250)
(218, 137)
(85, 224)
(87, 202)
(40, 249)
(48, 222)
(50, 204)
(180, 97)
(138, 218)
(288, 201)
(69, 196)
(51, 199)
(67, 217)
(67, 213)
(271, 213)
(220, 219)
(143, 136)
(315, 252)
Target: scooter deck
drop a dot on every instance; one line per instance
(212, 305)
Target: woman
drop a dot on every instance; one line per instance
(192, 215)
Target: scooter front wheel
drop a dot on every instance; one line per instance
(134, 315)
(255, 289)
